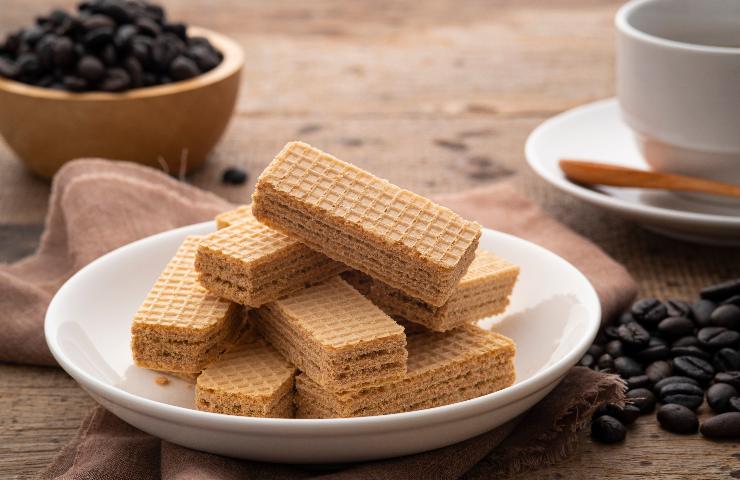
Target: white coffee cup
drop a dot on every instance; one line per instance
(678, 83)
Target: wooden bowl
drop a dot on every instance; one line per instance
(177, 123)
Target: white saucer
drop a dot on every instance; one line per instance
(87, 329)
(596, 132)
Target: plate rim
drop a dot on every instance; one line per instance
(314, 427)
(539, 165)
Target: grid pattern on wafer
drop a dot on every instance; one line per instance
(177, 300)
(484, 265)
(336, 315)
(254, 368)
(239, 214)
(392, 214)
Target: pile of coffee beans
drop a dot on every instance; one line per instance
(110, 45)
(676, 354)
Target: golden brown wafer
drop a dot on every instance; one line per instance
(336, 335)
(181, 327)
(251, 379)
(483, 291)
(239, 214)
(367, 223)
(252, 264)
(443, 368)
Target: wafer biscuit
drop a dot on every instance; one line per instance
(335, 335)
(252, 264)
(252, 379)
(181, 327)
(367, 223)
(483, 291)
(443, 368)
(231, 217)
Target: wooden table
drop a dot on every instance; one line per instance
(436, 96)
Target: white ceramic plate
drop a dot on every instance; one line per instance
(596, 132)
(553, 317)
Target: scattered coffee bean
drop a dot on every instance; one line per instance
(719, 395)
(721, 291)
(611, 409)
(658, 370)
(673, 379)
(678, 308)
(615, 348)
(596, 350)
(702, 312)
(90, 68)
(629, 414)
(237, 176)
(733, 378)
(627, 367)
(696, 368)
(639, 381)
(677, 419)
(587, 360)
(642, 398)
(726, 359)
(675, 327)
(687, 341)
(607, 429)
(653, 353)
(690, 351)
(686, 394)
(633, 335)
(725, 425)
(727, 316)
(116, 80)
(649, 311)
(715, 338)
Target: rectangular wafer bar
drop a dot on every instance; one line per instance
(367, 223)
(335, 335)
(231, 217)
(483, 291)
(251, 379)
(443, 368)
(181, 327)
(252, 264)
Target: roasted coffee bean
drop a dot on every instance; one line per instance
(687, 341)
(147, 26)
(702, 311)
(675, 327)
(715, 338)
(74, 83)
(678, 308)
(726, 359)
(237, 176)
(727, 316)
(135, 71)
(90, 68)
(686, 394)
(696, 368)
(719, 395)
(587, 361)
(733, 378)
(8, 69)
(29, 64)
(31, 35)
(649, 311)
(733, 300)
(611, 409)
(97, 38)
(642, 398)
(639, 381)
(63, 52)
(725, 425)
(690, 352)
(93, 22)
(114, 10)
(721, 291)
(183, 68)
(615, 348)
(611, 332)
(176, 28)
(651, 354)
(626, 414)
(596, 350)
(633, 335)
(658, 370)
(206, 59)
(673, 379)
(45, 50)
(116, 80)
(677, 419)
(629, 414)
(627, 367)
(108, 55)
(124, 35)
(607, 429)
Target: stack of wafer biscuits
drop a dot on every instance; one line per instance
(301, 303)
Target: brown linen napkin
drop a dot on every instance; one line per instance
(98, 205)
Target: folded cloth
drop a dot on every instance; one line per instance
(97, 205)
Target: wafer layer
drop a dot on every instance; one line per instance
(252, 264)
(483, 291)
(252, 380)
(391, 234)
(181, 327)
(239, 214)
(335, 335)
(443, 368)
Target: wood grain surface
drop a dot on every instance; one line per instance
(436, 96)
